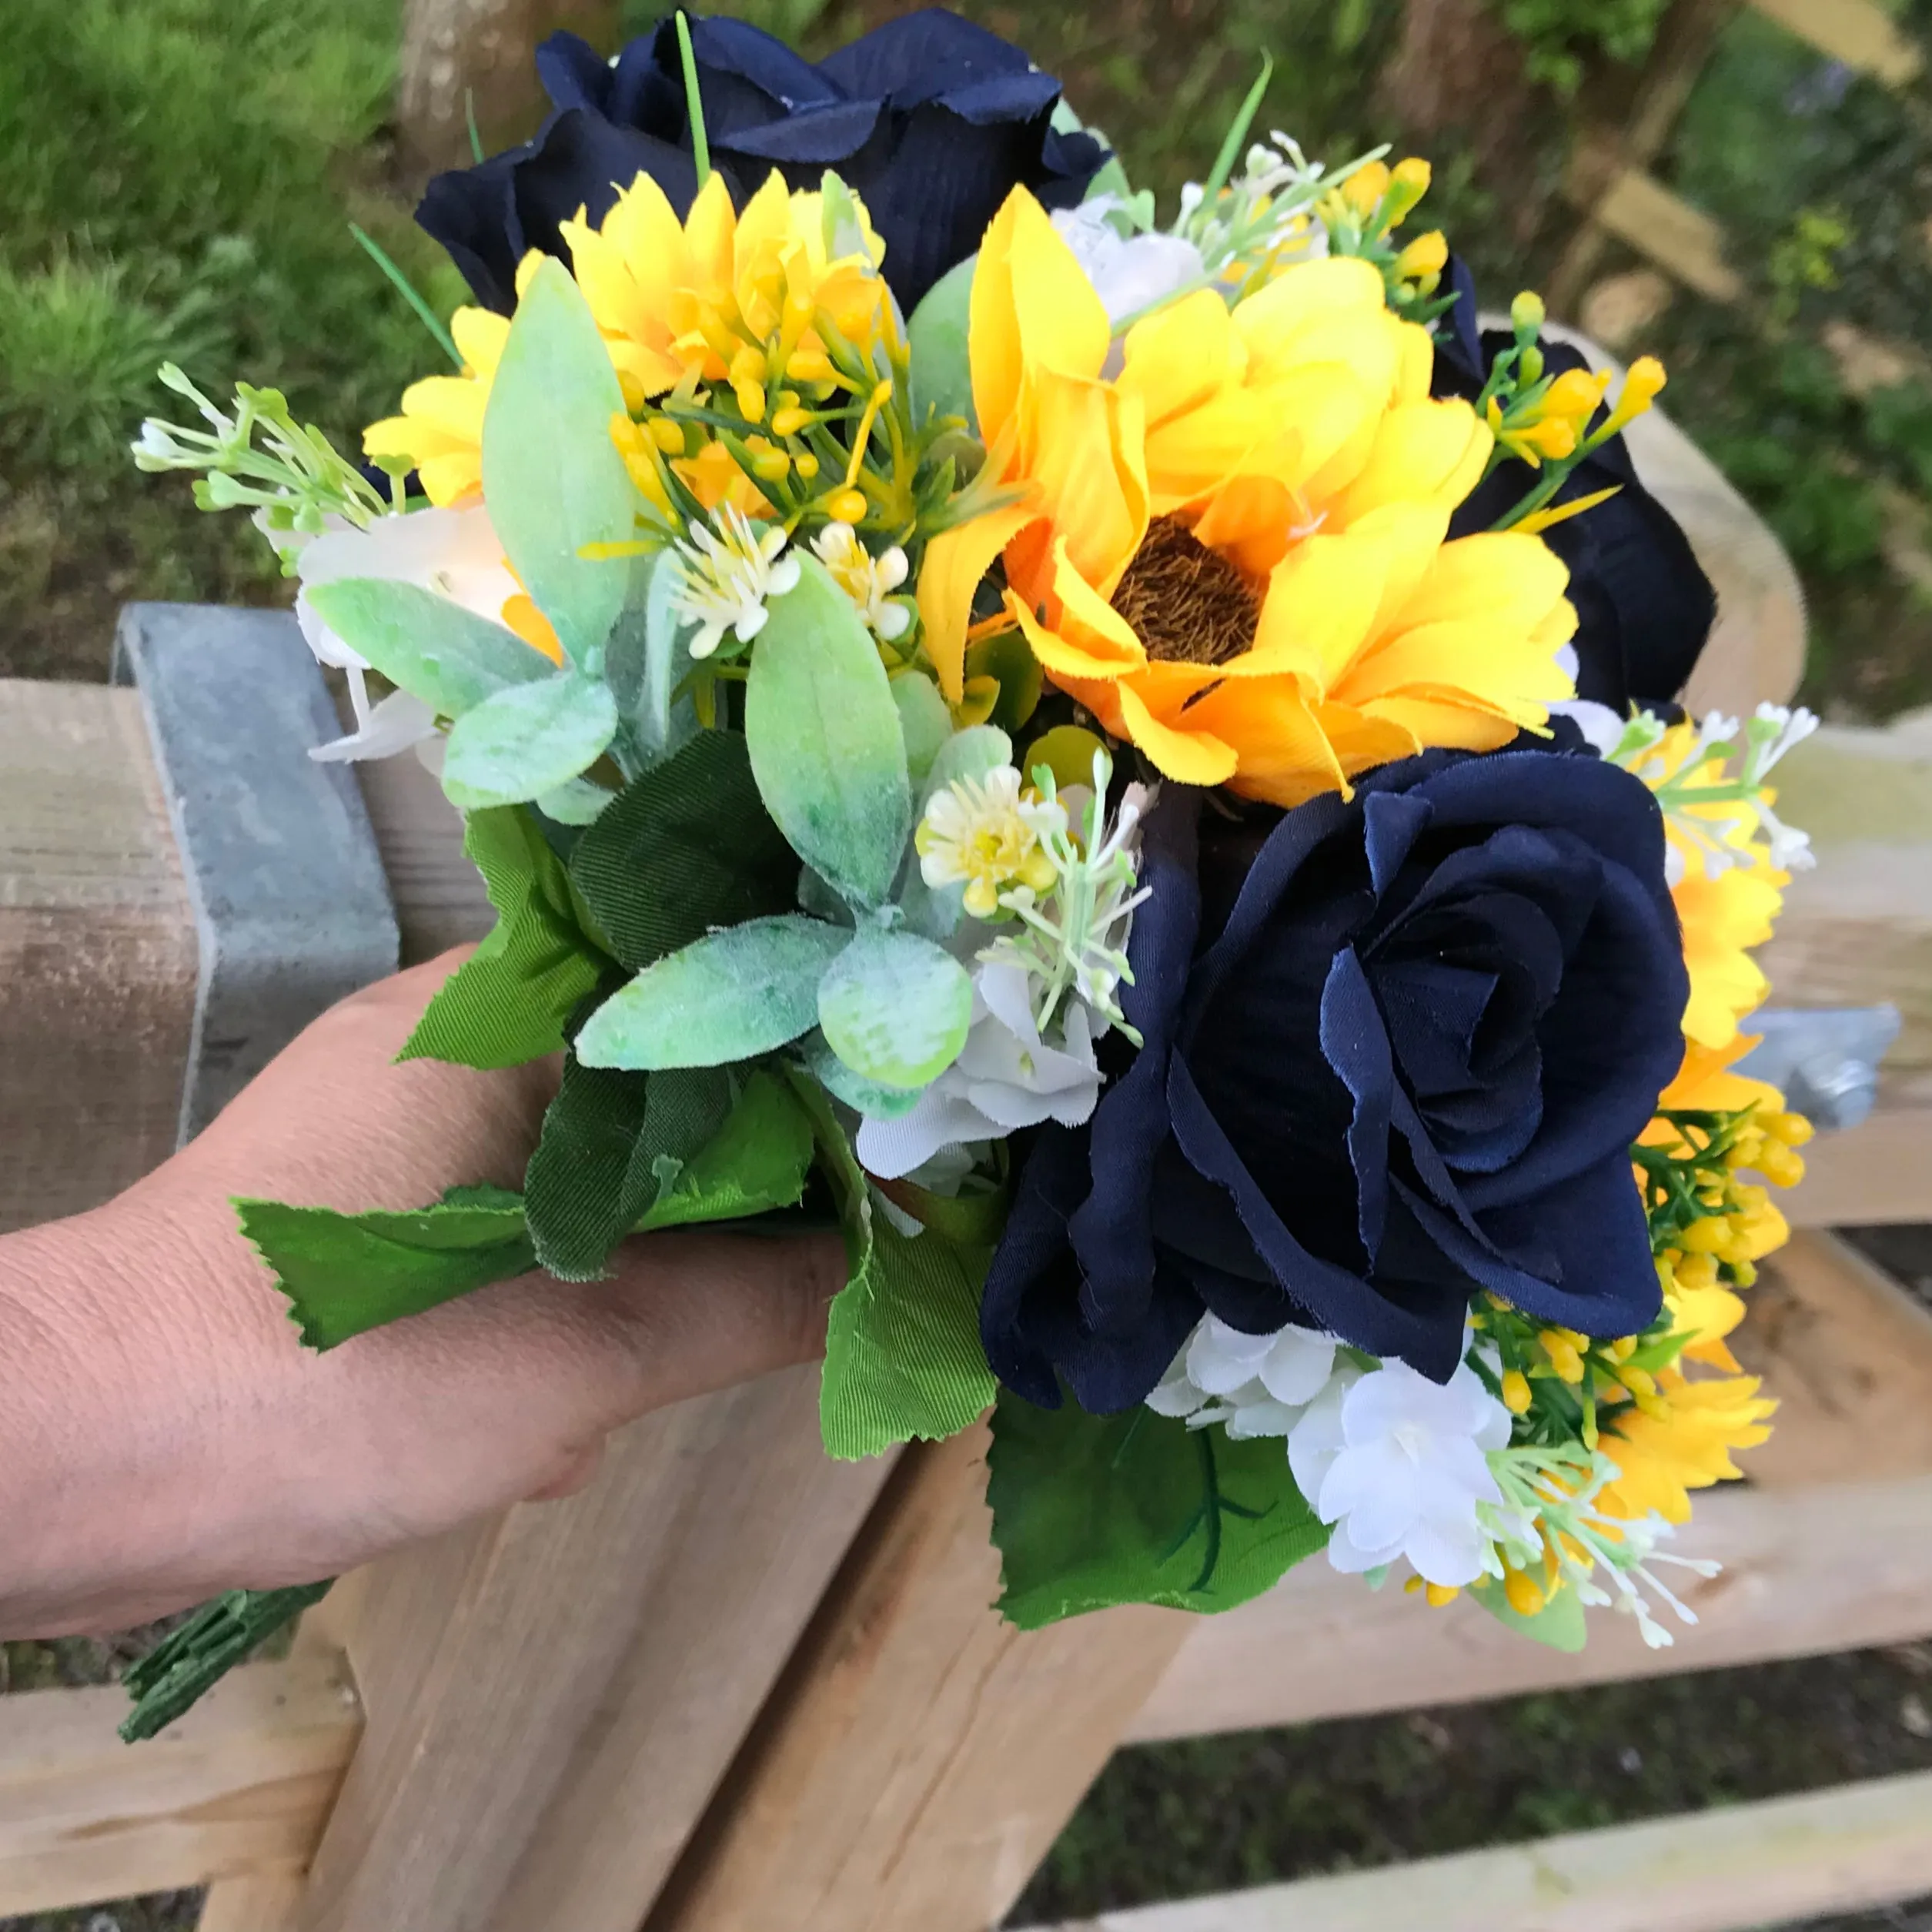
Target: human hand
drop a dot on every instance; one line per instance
(163, 1435)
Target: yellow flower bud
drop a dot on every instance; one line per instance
(810, 366)
(1639, 1382)
(1646, 378)
(1525, 1595)
(1793, 1129)
(1697, 1270)
(790, 420)
(1437, 1594)
(771, 466)
(751, 400)
(631, 387)
(1527, 314)
(1413, 175)
(1515, 1392)
(1364, 189)
(807, 465)
(1563, 1355)
(1708, 1235)
(846, 506)
(668, 435)
(1744, 1273)
(1427, 254)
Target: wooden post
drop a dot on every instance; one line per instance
(921, 1755)
(461, 56)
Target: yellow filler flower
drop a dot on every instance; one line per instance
(1233, 551)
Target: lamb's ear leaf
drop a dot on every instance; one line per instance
(449, 657)
(553, 481)
(729, 996)
(896, 1008)
(529, 741)
(825, 739)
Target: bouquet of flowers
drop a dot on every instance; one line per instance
(1132, 762)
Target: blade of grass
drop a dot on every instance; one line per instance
(694, 100)
(1223, 162)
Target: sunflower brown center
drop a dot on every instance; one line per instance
(1187, 603)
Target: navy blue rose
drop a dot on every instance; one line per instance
(1397, 1049)
(1644, 606)
(931, 120)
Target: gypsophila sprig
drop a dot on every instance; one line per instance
(295, 479)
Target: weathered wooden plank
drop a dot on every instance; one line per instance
(240, 1786)
(1683, 240)
(554, 1694)
(1858, 32)
(1878, 1172)
(1857, 929)
(97, 956)
(1848, 1351)
(921, 1755)
(1779, 1859)
(1836, 1567)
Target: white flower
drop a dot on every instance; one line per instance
(983, 833)
(726, 578)
(1398, 1464)
(1256, 1385)
(868, 580)
(1006, 1078)
(454, 552)
(1129, 273)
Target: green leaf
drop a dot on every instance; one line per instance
(1008, 659)
(687, 847)
(974, 1220)
(599, 1164)
(757, 1161)
(346, 1273)
(527, 741)
(896, 1008)
(942, 374)
(1560, 1624)
(924, 721)
(1090, 1511)
(553, 480)
(510, 1001)
(449, 657)
(646, 663)
(581, 802)
(729, 996)
(838, 1080)
(903, 1356)
(824, 737)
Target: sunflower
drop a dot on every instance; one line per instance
(721, 298)
(1232, 549)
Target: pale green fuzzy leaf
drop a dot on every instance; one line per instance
(552, 479)
(647, 660)
(942, 376)
(823, 734)
(579, 803)
(895, 1008)
(838, 1080)
(436, 650)
(923, 720)
(729, 996)
(528, 741)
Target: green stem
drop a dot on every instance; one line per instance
(429, 317)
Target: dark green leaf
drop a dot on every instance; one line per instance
(1008, 659)
(346, 1273)
(903, 1355)
(688, 847)
(757, 1161)
(510, 1000)
(1090, 1511)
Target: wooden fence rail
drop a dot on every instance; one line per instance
(735, 1688)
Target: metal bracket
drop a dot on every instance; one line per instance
(292, 907)
(1824, 1061)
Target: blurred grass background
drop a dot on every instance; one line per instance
(177, 181)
